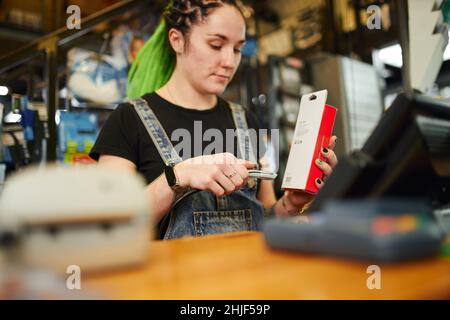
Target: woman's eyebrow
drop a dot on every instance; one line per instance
(223, 37)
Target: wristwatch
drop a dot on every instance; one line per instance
(171, 177)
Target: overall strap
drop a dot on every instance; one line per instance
(243, 135)
(156, 132)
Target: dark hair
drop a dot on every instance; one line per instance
(155, 62)
(183, 14)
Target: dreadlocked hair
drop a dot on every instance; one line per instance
(156, 60)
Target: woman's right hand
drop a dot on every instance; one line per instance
(220, 173)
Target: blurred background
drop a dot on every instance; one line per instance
(64, 65)
(58, 85)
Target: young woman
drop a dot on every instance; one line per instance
(179, 75)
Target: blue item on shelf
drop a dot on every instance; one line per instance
(27, 122)
(250, 47)
(77, 132)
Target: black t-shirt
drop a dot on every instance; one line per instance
(125, 136)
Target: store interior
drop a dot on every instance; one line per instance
(289, 45)
(64, 70)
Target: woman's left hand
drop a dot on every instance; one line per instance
(298, 199)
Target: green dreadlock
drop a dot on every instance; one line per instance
(153, 66)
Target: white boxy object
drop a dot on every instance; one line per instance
(312, 132)
(85, 216)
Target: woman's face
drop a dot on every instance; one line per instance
(213, 50)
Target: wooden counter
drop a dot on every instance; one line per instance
(241, 266)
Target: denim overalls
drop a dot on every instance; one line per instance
(196, 212)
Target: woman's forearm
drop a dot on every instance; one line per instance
(275, 207)
(279, 210)
(284, 208)
(161, 197)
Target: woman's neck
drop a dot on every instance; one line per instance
(180, 92)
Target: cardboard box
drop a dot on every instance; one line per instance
(313, 130)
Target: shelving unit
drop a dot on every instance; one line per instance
(51, 50)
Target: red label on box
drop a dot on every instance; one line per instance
(312, 132)
(323, 140)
